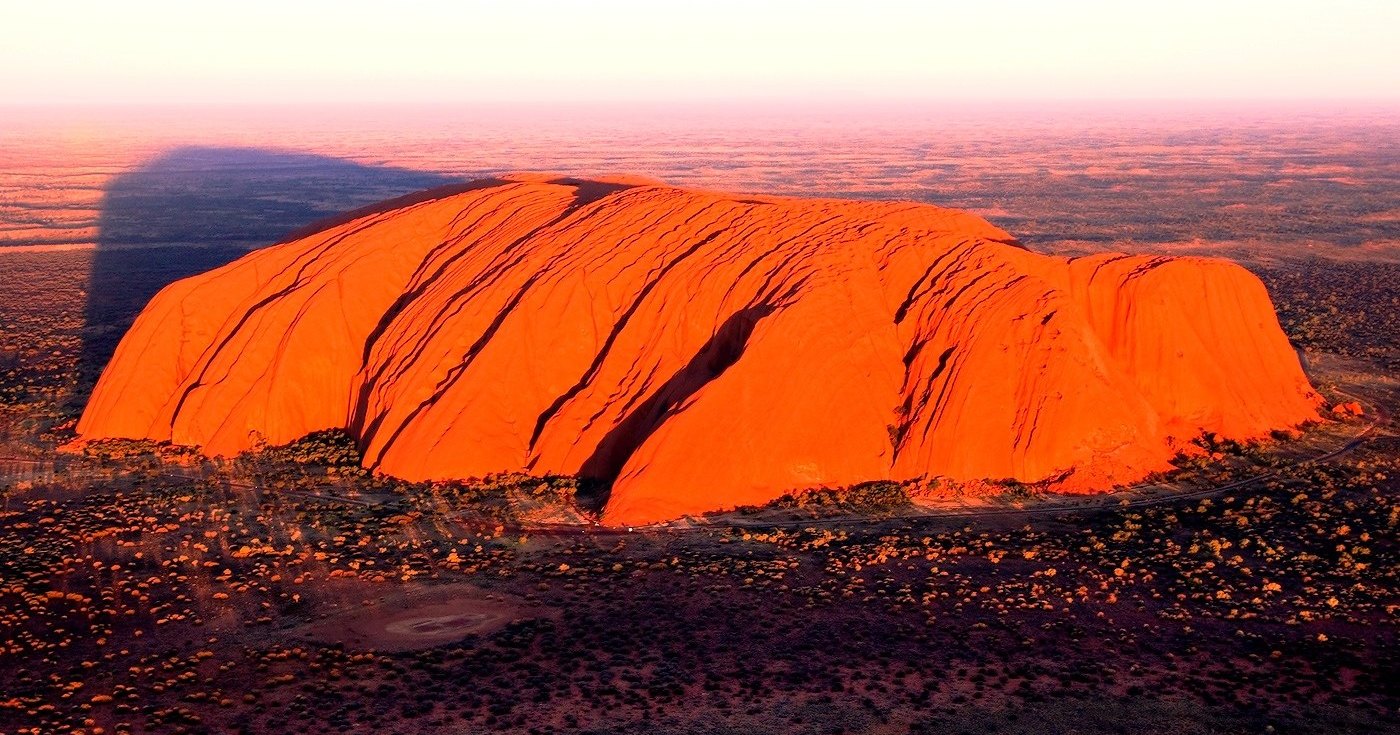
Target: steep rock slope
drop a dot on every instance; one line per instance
(703, 350)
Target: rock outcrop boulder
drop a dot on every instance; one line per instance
(703, 350)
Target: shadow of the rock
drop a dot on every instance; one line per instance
(193, 209)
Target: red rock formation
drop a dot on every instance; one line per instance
(1350, 408)
(706, 350)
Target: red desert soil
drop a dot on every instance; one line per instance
(404, 621)
(704, 350)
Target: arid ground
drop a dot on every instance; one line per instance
(143, 589)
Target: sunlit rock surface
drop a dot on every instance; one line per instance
(702, 349)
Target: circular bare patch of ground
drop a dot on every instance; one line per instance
(422, 618)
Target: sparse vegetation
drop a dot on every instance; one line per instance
(145, 589)
(866, 497)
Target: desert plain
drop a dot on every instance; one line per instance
(146, 588)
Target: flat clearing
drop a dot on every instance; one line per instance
(423, 617)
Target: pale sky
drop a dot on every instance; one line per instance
(278, 51)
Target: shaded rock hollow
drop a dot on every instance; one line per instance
(703, 350)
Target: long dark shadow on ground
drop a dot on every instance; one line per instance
(195, 208)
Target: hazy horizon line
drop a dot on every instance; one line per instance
(737, 99)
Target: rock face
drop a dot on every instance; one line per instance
(703, 350)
